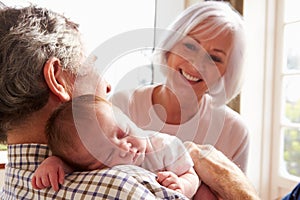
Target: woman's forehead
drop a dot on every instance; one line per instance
(221, 41)
(213, 26)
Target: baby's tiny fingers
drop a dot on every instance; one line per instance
(45, 182)
(39, 184)
(174, 186)
(33, 183)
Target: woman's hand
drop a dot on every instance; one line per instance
(220, 174)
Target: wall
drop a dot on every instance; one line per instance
(256, 96)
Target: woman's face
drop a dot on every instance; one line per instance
(199, 60)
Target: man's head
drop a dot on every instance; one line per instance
(38, 48)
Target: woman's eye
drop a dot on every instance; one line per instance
(190, 46)
(216, 58)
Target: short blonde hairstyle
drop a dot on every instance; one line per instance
(222, 17)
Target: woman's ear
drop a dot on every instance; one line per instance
(54, 79)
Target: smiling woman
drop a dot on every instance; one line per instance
(201, 54)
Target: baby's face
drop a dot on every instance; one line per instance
(119, 141)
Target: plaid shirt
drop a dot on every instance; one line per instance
(119, 182)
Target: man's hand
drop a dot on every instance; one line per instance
(220, 174)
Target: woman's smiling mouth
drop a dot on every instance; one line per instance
(190, 77)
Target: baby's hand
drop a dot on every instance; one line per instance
(49, 173)
(170, 180)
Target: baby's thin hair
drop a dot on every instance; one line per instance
(61, 131)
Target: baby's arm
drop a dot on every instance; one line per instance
(186, 183)
(50, 173)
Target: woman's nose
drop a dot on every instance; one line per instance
(201, 61)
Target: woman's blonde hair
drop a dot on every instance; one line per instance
(225, 19)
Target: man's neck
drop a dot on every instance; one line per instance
(25, 134)
(32, 129)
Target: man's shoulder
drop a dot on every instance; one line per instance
(119, 182)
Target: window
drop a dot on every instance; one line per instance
(290, 96)
(286, 134)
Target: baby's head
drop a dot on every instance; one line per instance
(84, 133)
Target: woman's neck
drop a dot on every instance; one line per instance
(175, 110)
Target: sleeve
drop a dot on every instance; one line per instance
(169, 154)
(176, 158)
(240, 158)
(240, 141)
(295, 193)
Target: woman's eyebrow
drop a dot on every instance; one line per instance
(215, 49)
(195, 39)
(220, 51)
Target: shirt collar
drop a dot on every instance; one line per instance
(27, 156)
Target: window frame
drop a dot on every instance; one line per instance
(281, 182)
(259, 106)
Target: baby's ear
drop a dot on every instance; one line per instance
(54, 79)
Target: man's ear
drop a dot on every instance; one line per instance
(54, 79)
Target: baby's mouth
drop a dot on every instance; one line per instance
(190, 77)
